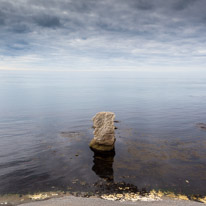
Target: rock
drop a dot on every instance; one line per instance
(201, 126)
(104, 135)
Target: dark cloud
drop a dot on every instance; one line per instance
(143, 4)
(48, 21)
(20, 28)
(183, 4)
(79, 6)
(113, 15)
(2, 18)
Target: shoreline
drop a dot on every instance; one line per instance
(93, 201)
(63, 198)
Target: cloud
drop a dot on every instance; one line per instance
(183, 4)
(48, 21)
(103, 34)
(143, 4)
(1, 18)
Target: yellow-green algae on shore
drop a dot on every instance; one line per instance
(15, 199)
(151, 196)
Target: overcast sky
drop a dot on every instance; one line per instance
(102, 34)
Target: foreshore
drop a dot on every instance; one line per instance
(83, 199)
(79, 201)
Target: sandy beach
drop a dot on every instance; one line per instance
(79, 201)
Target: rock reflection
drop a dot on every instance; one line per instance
(103, 165)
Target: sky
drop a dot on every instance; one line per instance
(102, 34)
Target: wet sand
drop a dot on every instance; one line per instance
(79, 201)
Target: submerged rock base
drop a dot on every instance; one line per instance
(96, 147)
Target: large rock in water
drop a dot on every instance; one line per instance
(104, 135)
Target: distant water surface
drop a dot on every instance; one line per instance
(45, 129)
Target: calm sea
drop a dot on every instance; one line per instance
(45, 129)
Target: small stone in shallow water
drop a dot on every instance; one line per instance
(201, 126)
(71, 134)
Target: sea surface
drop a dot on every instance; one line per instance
(46, 126)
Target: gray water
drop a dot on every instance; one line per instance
(45, 129)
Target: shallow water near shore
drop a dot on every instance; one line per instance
(45, 129)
